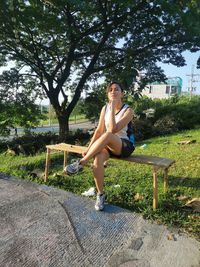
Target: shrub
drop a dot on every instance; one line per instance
(143, 129)
(165, 125)
(171, 115)
(184, 113)
(29, 144)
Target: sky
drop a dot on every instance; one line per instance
(171, 71)
(182, 72)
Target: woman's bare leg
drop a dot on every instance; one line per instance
(109, 140)
(98, 169)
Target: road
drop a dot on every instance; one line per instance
(72, 126)
(54, 128)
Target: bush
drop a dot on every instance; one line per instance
(185, 113)
(143, 129)
(165, 125)
(79, 137)
(29, 144)
(171, 115)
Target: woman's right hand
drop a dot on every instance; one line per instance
(84, 154)
(113, 102)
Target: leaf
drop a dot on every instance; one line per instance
(182, 198)
(138, 197)
(194, 204)
(171, 237)
(187, 142)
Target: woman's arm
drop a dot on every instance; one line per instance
(112, 122)
(127, 117)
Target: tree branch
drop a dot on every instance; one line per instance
(70, 21)
(66, 72)
(90, 53)
(103, 12)
(109, 65)
(88, 71)
(59, 66)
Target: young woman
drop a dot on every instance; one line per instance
(113, 136)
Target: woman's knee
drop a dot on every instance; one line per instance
(108, 135)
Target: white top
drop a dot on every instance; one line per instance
(123, 133)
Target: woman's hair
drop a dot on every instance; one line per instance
(110, 84)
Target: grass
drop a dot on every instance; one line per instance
(134, 179)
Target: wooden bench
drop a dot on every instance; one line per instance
(156, 162)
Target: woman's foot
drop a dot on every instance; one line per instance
(73, 168)
(99, 205)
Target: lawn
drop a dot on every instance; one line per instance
(134, 181)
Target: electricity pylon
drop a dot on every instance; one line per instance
(192, 80)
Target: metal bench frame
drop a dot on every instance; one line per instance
(156, 162)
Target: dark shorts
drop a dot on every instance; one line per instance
(127, 149)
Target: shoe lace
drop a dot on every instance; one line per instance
(75, 164)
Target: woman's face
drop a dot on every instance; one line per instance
(115, 92)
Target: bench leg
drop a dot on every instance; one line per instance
(47, 164)
(165, 180)
(65, 159)
(155, 188)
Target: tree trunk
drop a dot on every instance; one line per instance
(63, 121)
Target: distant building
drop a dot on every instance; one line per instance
(172, 86)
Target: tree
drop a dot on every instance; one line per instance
(94, 102)
(66, 43)
(17, 102)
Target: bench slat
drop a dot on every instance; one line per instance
(143, 159)
(68, 148)
(150, 160)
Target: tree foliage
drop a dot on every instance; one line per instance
(17, 102)
(66, 44)
(94, 102)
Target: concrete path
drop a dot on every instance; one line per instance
(42, 226)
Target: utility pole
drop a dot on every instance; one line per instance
(192, 80)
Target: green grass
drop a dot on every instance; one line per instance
(184, 179)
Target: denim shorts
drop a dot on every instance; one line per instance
(127, 149)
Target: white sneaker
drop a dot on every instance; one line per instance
(73, 168)
(99, 205)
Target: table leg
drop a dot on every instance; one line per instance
(47, 164)
(165, 180)
(65, 159)
(155, 188)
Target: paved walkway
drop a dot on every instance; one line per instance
(42, 226)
